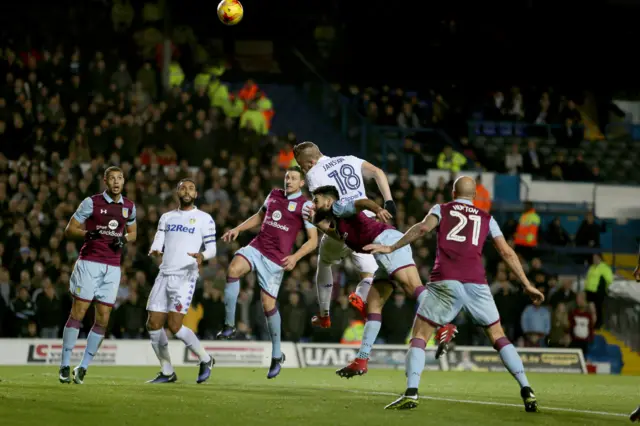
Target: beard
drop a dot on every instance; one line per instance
(322, 214)
(186, 201)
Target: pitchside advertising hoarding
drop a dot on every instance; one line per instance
(258, 354)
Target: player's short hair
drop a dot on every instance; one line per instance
(296, 169)
(112, 169)
(186, 180)
(327, 190)
(306, 148)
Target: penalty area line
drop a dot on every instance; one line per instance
(499, 404)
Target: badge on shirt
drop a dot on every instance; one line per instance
(125, 212)
(192, 221)
(292, 206)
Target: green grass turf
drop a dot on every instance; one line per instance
(304, 397)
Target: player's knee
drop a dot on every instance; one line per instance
(234, 273)
(495, 333)
(268, 302)
(102, 319)
(154, 324)
(174, 325)
(79, 310)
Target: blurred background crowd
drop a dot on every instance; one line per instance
(104, 93)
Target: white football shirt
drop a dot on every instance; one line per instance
(344, 173)
(181, 232)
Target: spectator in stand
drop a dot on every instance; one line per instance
(532, 160)
(560, 337)
(516, 105)
(451, 160)
(407, 119)
(588, 234)
(599, 278)
(497, 109)
(483, 198)
(526, 236)
(507, 301)
(564, 295)
(579, 170)
(536, 324)
(513, 160)
(582, 320)
(556, 235)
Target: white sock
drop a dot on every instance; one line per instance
(160, 345)
(324, 285)
(363, 287)
(192, 343)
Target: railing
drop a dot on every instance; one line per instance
(522, 129)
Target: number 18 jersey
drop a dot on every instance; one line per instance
(462, 232)
(344, 173)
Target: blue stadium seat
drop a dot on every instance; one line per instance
(598, 347)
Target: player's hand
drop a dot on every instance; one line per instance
(636, 273)
(289, 262)
(309, 213)
(118, 243)
(92, 235)
(377, 248)
(198, 257)
(384, 216)
(155, 253)
(536, 296)
(390, 206)
(230, 235)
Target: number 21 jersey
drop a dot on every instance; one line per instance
(344, 173)
(461, 234)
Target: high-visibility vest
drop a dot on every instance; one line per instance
(353, 334)
(202, 79)
(176, 76)
(527, 230)
(483, 199)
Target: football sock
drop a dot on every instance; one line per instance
(415, 362)
(274, 323)
(231, 291)
(192, 343)
(69, 338)
(511, 360)
(160, 345)
(324, 285)
(419, 294)
(363, 287)
(94, 340)
(371, 330)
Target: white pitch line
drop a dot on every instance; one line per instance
(500, 404)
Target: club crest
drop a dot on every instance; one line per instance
(192, 221)
(292, 206)
(125, 212)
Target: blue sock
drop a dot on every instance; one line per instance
(94, 340)
(371, 330)
(274, 323)
(511, 360)
(69, 338)
(415, 362)
(231, 291)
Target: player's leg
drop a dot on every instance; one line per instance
(330, 252)
(108, 281)
(367, 266)
(269, 279)
(82, 287)
(483, 310)
(378, 295)
(442, 302)
(241, 264)
(157, 308)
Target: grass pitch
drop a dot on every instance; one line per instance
(305, 397)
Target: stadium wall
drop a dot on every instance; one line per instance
(305, 355)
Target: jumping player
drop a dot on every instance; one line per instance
(346, 174)
(269, 255)
(635, 415)
(458, 280)
(180, 236)
(101, 221)
(345, 221)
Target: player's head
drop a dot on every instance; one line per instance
(464, 187)
(323, 199)
(186, 192)
(293, 180)
(307, 155)
(114, 180)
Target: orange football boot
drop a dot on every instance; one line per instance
(320, 321)
(358, 304)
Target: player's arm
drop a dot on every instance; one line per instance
(372, 172)
(419, 230)
(253, 222)
(158, 240)
(511, 259)
(366, 204)
(308, 247)
(208, 232)
(132, 227)
(75, 228)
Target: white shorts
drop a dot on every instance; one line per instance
(333, 252)
(172, 293)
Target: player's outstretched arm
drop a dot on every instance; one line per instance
(511, 259)
(366, 204)
(372, 172)
(418, 230)
(253, 222)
